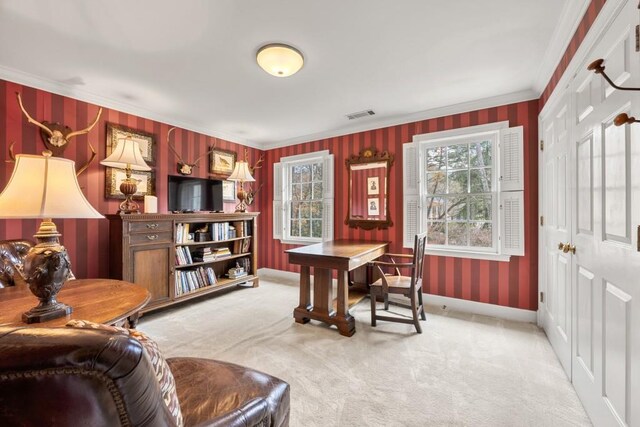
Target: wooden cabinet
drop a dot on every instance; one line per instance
(150, 249)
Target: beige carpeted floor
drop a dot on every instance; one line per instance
(463, 370)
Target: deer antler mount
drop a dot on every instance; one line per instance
(56, 136)
(185, 168)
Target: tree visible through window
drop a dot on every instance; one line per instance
(460, 195)
(306, 194)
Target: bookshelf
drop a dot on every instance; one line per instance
(178, 257)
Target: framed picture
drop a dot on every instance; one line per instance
(222, 162)
(146, 183)
(229, 191)
(373, 185)
(372, 207)
(145, 140)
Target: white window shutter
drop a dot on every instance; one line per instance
(328, 189)
(327, 220)
(278, 213)
(327, 176)
(512, 223)
(511, 159)
(411, 212)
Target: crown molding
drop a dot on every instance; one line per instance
(601, 24)
(27, 79)
(494, 101)
(570, 18)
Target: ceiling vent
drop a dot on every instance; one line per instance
(360, 114)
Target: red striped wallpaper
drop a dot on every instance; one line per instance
(87, 241)
(587, 20)
(512, 284)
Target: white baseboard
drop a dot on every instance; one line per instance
(474, 307)
(499, 311)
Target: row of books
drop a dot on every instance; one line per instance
(215, 231)
(191, 280)
(183, 256)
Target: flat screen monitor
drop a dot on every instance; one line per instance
(187, 194)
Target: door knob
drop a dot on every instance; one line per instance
(563, 247)
(572, 249)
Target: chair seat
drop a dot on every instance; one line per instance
(403, 282)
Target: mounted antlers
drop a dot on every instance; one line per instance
(183, 167)
(59, 135)
(251, 193)
(56, 136)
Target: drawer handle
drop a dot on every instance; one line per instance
(152, 226)
(152, 236)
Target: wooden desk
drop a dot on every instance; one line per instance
(341, 255)
(98, 300)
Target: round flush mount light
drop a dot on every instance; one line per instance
(280, 60)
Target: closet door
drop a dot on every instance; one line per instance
(606, 263)
(555, 274)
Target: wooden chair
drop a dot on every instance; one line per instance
(409, 286)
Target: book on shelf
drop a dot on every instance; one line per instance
(240, 229)
(186, 281)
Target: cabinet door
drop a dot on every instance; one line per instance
(151, 267)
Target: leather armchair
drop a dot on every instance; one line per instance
(12, 254)
(70, 377)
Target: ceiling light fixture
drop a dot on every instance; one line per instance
(280, 60)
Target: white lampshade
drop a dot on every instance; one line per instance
(280, 60)
(126, 154)
(44, 187)
(241, 172)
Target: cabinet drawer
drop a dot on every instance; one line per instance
(151, 226)
(150, 237)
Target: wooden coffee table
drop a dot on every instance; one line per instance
(97, 300)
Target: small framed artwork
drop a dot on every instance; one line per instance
(222, 162)
(146, 141)
(229, 191)
(373, 185)
(373, 209)
(146, 183)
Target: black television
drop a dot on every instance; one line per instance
(188, 194)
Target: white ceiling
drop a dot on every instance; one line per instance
(191, 63)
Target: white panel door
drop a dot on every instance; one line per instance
(555, 275)
(606, 264)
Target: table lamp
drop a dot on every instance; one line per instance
(127, 156)
(45, 187)
(241, 173)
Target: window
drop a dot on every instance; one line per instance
(464, 188)
(303, 198)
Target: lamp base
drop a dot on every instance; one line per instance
(46, 269)
(128, 187)
(46, 312)
(242, 196)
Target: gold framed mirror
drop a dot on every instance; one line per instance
(368, 202)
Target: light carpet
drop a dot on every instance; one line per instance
(463, 370)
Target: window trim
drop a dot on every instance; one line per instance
(286, 164)
(451, 137)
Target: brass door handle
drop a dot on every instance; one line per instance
(572, 249)
(563, 247)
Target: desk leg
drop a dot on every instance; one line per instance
(344, 321)
(322, 292)
(305, 295)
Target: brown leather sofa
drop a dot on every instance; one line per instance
(73, 377)
(12, 254)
